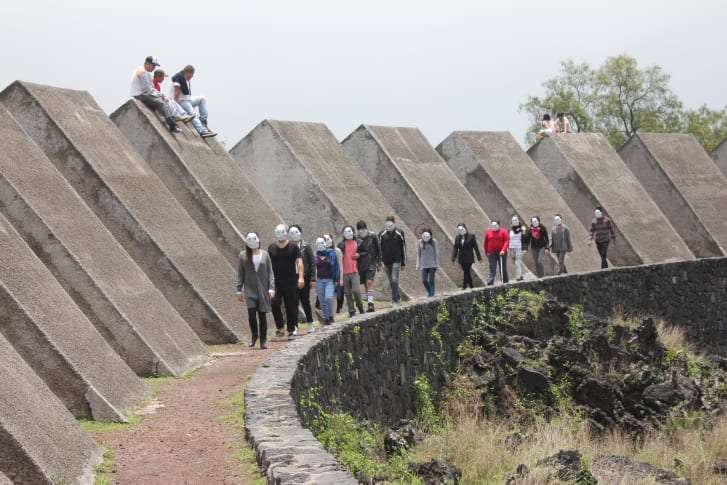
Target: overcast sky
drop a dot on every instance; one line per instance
(439, 66)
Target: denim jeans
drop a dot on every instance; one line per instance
(392, 272)
(428, 280)
(188, 106)
(602, 247)
(494, 259)
(324, 291)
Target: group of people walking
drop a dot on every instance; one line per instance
(284, 275)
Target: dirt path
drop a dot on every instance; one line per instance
(189, 440)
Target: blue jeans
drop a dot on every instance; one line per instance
(188, 106)
(494, 259)
(428, 279)
(324, 291)
(392, 272)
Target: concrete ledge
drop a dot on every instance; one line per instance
(366, 366)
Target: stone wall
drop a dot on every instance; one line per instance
(367, 366)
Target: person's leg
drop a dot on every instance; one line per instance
(538, 262)
(263, 329)
(561, 263)
(370, 275)
(321, 294)
(200, 102)
(328, 297)
(425, 279)
(467, 279)
(602, 251)
(186, 105)
(387, 270)
(304, 297)
(157, 104)
(492, 262)
(518, 257)
(430, 272)
(290, 298)
(395, 268)
(348, 282)
(252, 319)
(357, 292)
(277, 312)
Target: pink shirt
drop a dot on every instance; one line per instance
(349, 264)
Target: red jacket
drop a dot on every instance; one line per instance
(496, 241)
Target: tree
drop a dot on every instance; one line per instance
(618, 100)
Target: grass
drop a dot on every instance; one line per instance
(104, 470)
(244, 454)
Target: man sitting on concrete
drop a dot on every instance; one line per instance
(142, 88)
(173, 109)
(182, 94)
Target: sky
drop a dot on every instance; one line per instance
(438, 66)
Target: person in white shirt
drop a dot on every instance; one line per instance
(142, 88)
(182, 93)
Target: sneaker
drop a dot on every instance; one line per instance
(371, 308)
(520, 279)
(361, 310)
(208, 134)
(252, 342)
(291, 336)
(295, 330)
(311, 327)
(263, 345)
(351, 314)
(175, 129)
(279, 334)
(394, 304)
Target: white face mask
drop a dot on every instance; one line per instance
(362, 233)
(495, 226)
(535, 222)
(389, 226)
(557, 220)
(252, 241)
(348, 233)
(515, 221)
(426, 236)
(598, 213)
(461, 230)
(320, 244)
(328, 240)
(294, 234)
(280, 233)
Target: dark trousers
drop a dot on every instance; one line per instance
(602, 247)
(289, 297)
(467, 268)
(304, 297)
(258, 329)
(494, 259)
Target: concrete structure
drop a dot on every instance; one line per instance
(133, 204)
(719, 155)
(309, 178)
(203, 177)
(49, 331)
(116, 296)
(586, 171)
(686, 185)
(420, 187)
(505, 181)
(40, 442)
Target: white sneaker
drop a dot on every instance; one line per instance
(311, 327)
(394, 304)
(295, 330)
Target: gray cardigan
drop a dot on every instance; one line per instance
(427, 254)
(255, 283)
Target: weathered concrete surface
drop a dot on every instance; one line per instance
(420, 187)
(685, 184)
(116, 296)
(310, 179)
(719, 155)
(586, 171)
(40, 442)
(505, 181)
(133, 204)
(203, 177)
(49, 331)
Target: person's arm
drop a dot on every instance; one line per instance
(301, 280)
(611, 231)
(403, 249)
(311, 263)
(271, 278)
(379, 256)
(503, 251)
(177, 92)
(547, 240)
(147, 85)
(240, 277)
(568, 243)
(484, 244)
(591, 231)
(436, 253)
(477, 248)
(419, 256)
(525, 238)
(455, 249)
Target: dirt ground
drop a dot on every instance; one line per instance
(192, 438)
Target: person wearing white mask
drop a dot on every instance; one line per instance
(602, 231)
(496, 242)
(393, 255)
(369, 261)
(351, 249)
(255, 287)
(309, 273)
(288, 270)
(327, 272)
(560, 242)
(518, 232)
(464, 251)
(328, 237)
(427, 259)
(537, 242)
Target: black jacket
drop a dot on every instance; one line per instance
(541, 242)
(393, 247)
(369, 251)
(184, 85)
(309, 265)
(466, 251)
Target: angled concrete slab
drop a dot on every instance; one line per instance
(420, 187)
(40, 442)
(719, 155)
(685, 184)
(56, 339)
(203, 177)
(505, 181)
(116, 296)
(309, 178)
(133, 204)
(586, 171)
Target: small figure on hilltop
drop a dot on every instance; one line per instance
(464, 250)
(369, 261)
(602, 231)
(560, 242)
(328, 271)
(173, 109)
(518, 232)
(547, 126)
(496, 242)
(142, 88)
(182, 94)
(288, 270)
(309, 273)
(562, 124)
(537, 242)
(427, 260)
(255, 286)
(351, 248)
(393, 255)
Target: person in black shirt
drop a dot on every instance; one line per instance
(393, 255)
(309, 273)
(289, 278)
(464, 250)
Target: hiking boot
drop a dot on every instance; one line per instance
(208, 134)
(263, 345)
(371, 308)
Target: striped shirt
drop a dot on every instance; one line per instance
(601, 229)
